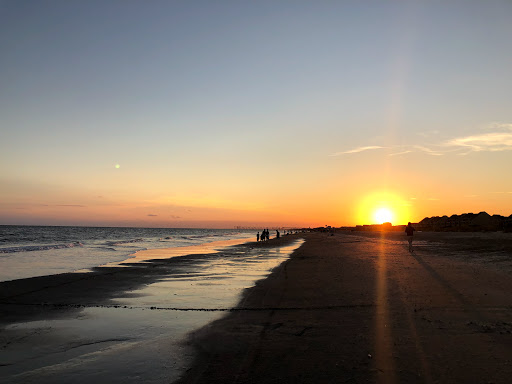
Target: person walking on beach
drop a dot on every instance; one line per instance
(409, 230)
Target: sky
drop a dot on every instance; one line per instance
(250, 113)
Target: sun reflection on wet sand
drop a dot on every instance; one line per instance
(383, 336)
(167, 253)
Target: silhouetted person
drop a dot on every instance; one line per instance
(409, 230)
(277, 234)
(258, 237)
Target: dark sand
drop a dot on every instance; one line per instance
(358, 308)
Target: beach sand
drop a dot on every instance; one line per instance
(124, 324)
(358, 308)
(349, 308)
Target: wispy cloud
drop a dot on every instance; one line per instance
(493, 142)
(498, 137)
(25, 205)
(152, 215)
(357, 150)
(400, 153)
(498, 125)
(427, 150)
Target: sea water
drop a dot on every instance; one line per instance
(139, 337)
(30, 251)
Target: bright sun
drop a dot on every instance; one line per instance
(383, 207)
(383, 215)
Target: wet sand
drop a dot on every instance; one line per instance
(124, 324)
(358, 308)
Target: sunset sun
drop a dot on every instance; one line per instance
(383, 207)
(383, 215)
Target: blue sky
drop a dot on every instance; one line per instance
(237, 101)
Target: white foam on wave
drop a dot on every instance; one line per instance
(30, 248)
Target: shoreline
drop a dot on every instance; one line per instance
(103, 282)
(43, 251)
(107, 322)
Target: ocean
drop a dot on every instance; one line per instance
(30, 251)
(139, 334)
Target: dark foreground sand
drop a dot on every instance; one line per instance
(361, 309)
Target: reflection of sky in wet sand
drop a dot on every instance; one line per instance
(213, 282)
(128, 342)
(166, 253)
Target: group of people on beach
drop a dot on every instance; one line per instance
(265, 235)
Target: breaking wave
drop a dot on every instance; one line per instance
(123, 242)
(29, 248)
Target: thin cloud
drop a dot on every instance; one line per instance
(492, 142)
(55, 205)
(500, 139)
(359, 149)
(152, 215)
(427, 150)
(498, 125)
(400, 153)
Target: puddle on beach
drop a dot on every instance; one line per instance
(137, 338)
